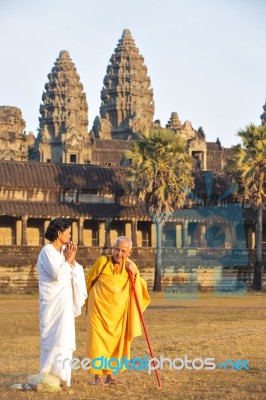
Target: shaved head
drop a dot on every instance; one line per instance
(124, 239)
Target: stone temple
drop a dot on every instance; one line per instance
(127, 107)
(127, 98)
(63, 133)
(68, 170)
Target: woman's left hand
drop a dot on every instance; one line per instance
(70, 252)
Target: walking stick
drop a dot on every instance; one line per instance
(144, 328)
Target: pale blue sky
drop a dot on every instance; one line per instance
(206, 58)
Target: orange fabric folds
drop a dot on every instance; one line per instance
(113, 318)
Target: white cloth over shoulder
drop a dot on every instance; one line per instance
(62, 291)
(79, 289)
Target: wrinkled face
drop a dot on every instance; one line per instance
(121, 251)
(65, 236)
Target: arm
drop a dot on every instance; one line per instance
(54, 264)
(95, 272)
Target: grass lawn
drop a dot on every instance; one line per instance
(219, 327)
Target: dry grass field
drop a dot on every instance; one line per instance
(223, 328)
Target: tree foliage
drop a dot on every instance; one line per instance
(160, 175)
(247, 167)
(160, 170)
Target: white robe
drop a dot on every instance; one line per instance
(62, 291)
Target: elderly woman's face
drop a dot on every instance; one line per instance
(121, 251)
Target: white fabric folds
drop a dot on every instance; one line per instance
(62, 291)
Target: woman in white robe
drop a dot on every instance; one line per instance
(62, 291)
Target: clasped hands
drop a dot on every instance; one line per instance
(70, 253)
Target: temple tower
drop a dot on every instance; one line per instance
(263, 116)
(174, 123)
(15, 144)
(127, 98)
(63, 134)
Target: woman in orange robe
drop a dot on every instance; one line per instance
(113, 318)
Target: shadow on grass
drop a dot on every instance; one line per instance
(9, 379)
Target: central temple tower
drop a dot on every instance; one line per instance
(127, 98)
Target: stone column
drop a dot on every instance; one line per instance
(101, 234)
(202, 238)
(178, 229)
(128, 230)
(204, 160)
(227, 237)
(253, 243)
(107, 242)
(251, 237)
(80, 229)
(134, 231)
(153, 235)
(24, 230)
(18, 232)
(185, 233)
(74, 231)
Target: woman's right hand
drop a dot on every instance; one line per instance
(70, 252)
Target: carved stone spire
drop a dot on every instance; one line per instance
(263, 116)
(63, 129)
(15, 144)
(127, 98)
(174, 122)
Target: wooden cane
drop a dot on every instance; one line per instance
(144, 328)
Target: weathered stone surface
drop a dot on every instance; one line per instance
(15, 144)
(21, 276)
(127, 98)
(63, 135)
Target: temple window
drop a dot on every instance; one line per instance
(73, 158)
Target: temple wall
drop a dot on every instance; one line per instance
(18, 272)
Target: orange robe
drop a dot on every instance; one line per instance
(113, 318)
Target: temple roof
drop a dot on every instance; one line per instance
(58, 176)
(15, 174)
(70, 210)
(35, 176)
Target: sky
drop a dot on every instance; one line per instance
(206, 58)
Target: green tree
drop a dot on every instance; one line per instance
(247, 167)
(160, 175)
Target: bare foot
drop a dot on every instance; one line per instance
(112, 380)
(66, 389)
(98, 381)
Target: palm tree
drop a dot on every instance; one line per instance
(247, 168)
(160, 175)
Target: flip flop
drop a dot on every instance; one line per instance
(17, 386)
